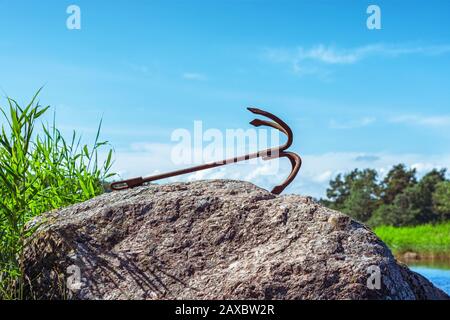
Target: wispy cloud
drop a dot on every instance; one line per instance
(306, 61)
(194, 76)
(313, 179)
(358, 123)
(367, 158)
(318, 169)
(426, 121)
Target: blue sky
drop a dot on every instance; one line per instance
(354, 97)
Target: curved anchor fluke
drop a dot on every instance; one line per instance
(296, 163)
(276, 124)
(274, 153)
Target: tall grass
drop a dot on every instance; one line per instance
(39, 172)
(433, 240)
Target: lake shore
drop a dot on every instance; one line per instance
(414, 259)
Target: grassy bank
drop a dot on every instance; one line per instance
(426, 240)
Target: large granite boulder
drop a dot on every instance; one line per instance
(211, 240)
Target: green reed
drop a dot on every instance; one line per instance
(427, 239)
(39, 171)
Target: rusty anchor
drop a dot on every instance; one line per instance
(267, 154)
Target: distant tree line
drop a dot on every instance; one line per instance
(400, 199)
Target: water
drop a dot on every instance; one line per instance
(439, 277)
(437, 271)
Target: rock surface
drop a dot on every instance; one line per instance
(211, 240)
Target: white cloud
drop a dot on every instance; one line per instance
(312, 180)
(323, 177)
(153, 148)
(367, 158)
(358, 123)
(302, 70)
(307, 61)
(423, 167)
(330, 55)
(194, 76)
(428, 121)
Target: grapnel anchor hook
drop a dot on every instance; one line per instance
(267, 154)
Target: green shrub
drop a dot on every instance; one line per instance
(39, 172)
